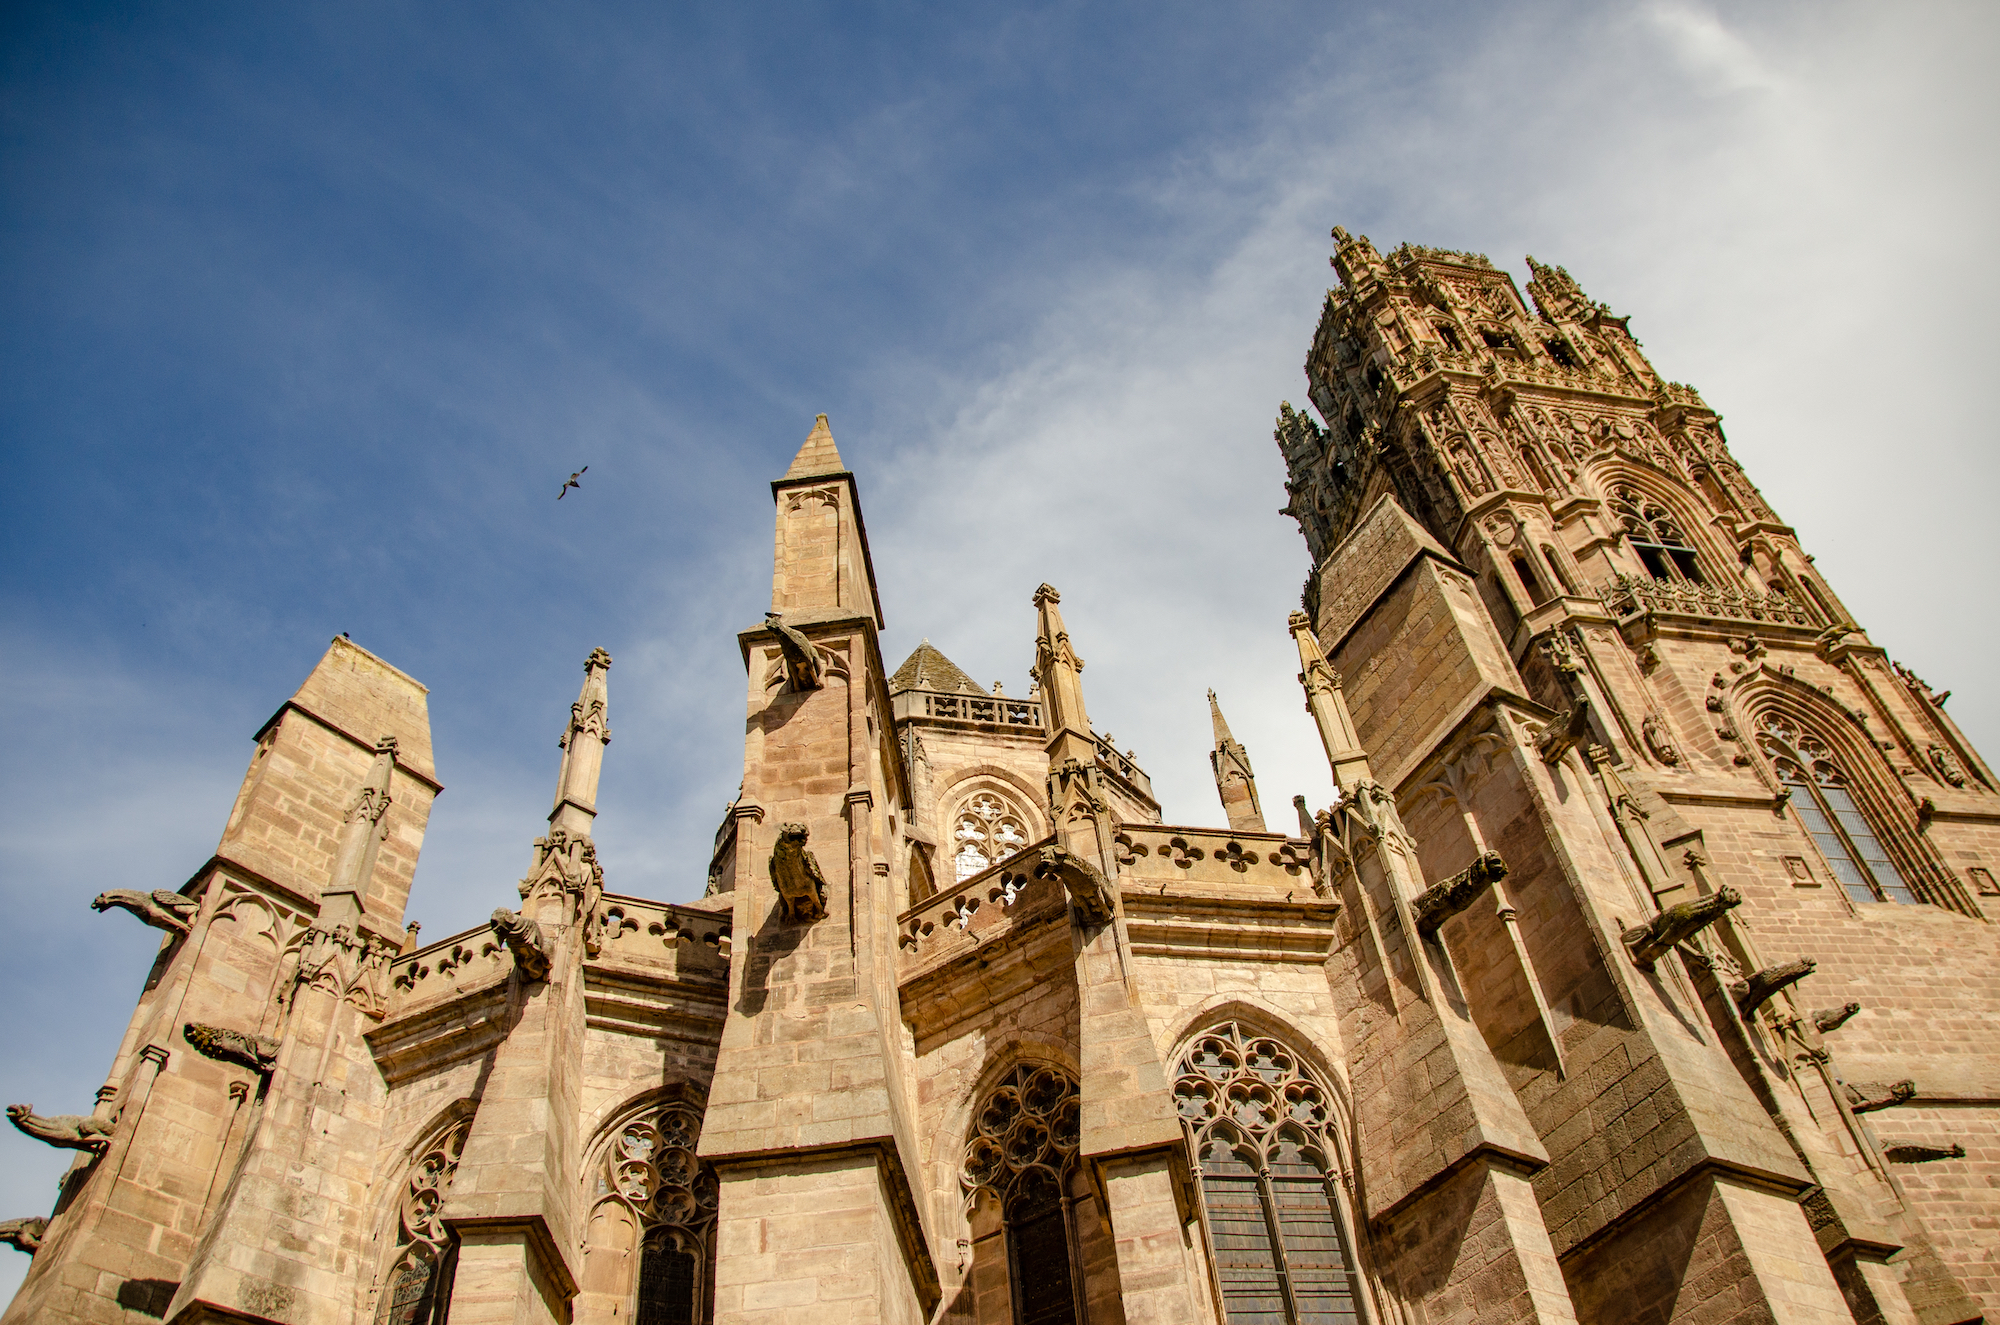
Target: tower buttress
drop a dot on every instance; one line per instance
(1234, 781)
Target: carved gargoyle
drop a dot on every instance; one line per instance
(1441, 901)
(66, 1131)
(24, 1234)
(1761, 987)
(795, 874)
(1089, 891)
(1565, 731)
(803, 667)
(160, 908)
(523, 938)
(1868, 1096)
(259, 1053)
(1829, 1020)
(1678, 923)
(1921, 1154)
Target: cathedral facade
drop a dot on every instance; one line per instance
(1643, 968)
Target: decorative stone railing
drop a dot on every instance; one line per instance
(953, 917)
(470, 960)
(634, 929)
(1111, 761)
(1675, 393)
(1625, 595)
(967, 706)
(1214, 855)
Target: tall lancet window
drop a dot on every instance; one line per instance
(665, 1198)
(1655, 538)
(1261, 1126)
(1023, 1155)
(418, 1291)
(985, 831)
(1832, 818)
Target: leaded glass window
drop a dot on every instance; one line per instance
(1259, 1124)
(1854, 854)
(652, 1169)
(1023, 1150)
(1655, 537)
(985, 831)
(419, 1283)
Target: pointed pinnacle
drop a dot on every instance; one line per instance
(818, 455)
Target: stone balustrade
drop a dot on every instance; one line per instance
(466, 961)
(1626, 595)
(1215, 856)
(969, 707)
(632, 929)
(955, 918)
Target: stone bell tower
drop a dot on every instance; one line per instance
(1575, 639)
(809, 1122)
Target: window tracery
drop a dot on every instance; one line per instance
(1023, 1151)
(419, 1287)
(1655, 537)
(1260, 1124)
(985, 831)
(651, 1169)
(1820, 796)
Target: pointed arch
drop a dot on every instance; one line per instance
(1840, 791)
(1678, 514)
(413, 1282)
(649, 1237)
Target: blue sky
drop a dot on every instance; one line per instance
(308, 310)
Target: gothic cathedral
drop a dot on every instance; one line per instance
(1642, 970)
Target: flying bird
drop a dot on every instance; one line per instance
(573, 483)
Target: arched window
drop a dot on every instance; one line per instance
(650, 1168)
(1529, 580)
(1447, 335)
(1556, 568)
(1820, 795)
(1536, 474)
(1560, 351)
(1655, 537)
(1260, 1125)
(418, 1291)
(1023, 1152)
(985, 831)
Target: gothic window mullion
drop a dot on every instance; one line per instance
(1269, 1197)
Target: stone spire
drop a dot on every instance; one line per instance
(1234, 780)
(583, 743)
(1328, 706)
(1079, 810)
(818, 456)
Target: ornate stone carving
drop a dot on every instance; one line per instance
(65, 1131)
(24, 1234)
(795, 874)
(803, 668)
(524, 939)
(1829, 1020)
(1089, 891)
(1654, 731)
(1024, 1135)
(651, 1167)
(414, 1282)
(160, 908)
(1441, 901)
(1868, 1096)
(1764, 985)
(1914, 1153)
(349, 966)
(1567, 730)
(259, 1053)
(1947, 765)
(1649, 942)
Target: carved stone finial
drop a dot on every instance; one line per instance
(1829, 1020)
(1761, 987)
(804, 668)
(523, 938)
(24, 1234)
(66, 1131)
(795, 874)
(259, 1053)
(1046, 594)
(1649, 942)
(598, 659)
(1868, 1096)
(1442, 901)
(385, 745)
(1089, 891)
(159, 908)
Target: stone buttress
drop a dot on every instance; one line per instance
(809, 1122)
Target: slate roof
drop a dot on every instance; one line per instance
(927, 669)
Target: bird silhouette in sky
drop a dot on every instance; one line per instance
(573, 483)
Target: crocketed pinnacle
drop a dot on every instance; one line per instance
(818, 456)
(1220, 723)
